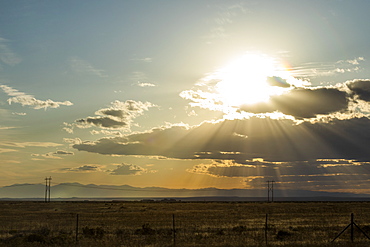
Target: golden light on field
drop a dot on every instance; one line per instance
(245, 80)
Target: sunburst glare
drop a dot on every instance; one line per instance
(246, 80)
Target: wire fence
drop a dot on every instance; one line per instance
(181, 224)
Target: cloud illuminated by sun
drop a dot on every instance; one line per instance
(245, 80)
(248, 79)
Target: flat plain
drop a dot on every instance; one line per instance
(121, 223)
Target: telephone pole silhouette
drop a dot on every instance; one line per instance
(47, 189)
(270, 190)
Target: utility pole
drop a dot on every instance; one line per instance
(270, 190)
(47, 189)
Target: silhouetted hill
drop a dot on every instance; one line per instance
(69, 190)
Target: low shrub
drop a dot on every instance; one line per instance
(34, 237)
(145, 230)
(97, 233)
(281, 235)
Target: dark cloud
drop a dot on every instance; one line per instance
(279, 169)
(277, 81)
(112, 112)
(119, 115)
(62, 152)
(105, 122)
(240, 140)
(305, 175)
(127, 169)
(303, 103)
(84, 168)
(361, 88)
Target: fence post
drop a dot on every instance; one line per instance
(352, 227)
(174, 229)
(266, 227)
(76, 228)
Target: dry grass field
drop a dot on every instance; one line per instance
(195, 223)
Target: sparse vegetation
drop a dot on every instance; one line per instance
(197, 224)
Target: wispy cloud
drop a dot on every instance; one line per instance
(7, 127)
(141, 79)
(47, 156)
(145, 59)
(54, 155)
(29, 144)
(81, 66)
(6, 150)
(29, 100)
(7, 56)
(225, 16)
(315, 69)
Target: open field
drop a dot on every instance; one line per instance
(195, 224)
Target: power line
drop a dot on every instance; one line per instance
(47, 189)
(270, 190)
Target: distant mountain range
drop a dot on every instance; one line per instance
(88, 191)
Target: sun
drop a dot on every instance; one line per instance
(245, 80)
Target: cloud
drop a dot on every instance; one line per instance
(277, 81)
(315, 69)
(103, 122)
(47, 156)
(224, 18)
(72, 140)
(53, 155)
(138, 76)
(241, 140)
(106, 132)
(322, 173)
(6, 150)
(354, 61)
(238, 97)
(303, 102)
(81, 66)
(7, 56)
(84, 168)
(30, 144)
(127, 169)
(145, 59)
(7, 127)
(29, 100)
(62, 152)
(145, 84)
(360, 88)
(119, 115)
(19, 113)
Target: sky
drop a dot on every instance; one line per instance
(186, 94)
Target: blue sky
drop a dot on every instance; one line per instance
(186, 94)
